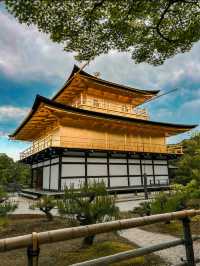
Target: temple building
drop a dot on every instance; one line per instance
(93, 129)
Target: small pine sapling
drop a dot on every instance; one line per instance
(46, 205)
(90, 204)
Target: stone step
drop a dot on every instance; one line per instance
(28, 195)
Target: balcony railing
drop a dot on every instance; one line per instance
(37, 146)
(111, 108)
(175, 148)
(99, 144)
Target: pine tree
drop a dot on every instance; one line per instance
(89, 205)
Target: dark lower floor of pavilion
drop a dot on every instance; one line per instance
(53, 169)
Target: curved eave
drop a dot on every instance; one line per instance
(76, 69)
(39, 99)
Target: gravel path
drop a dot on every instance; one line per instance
(125, 203)
(23, 206)
(171, 255)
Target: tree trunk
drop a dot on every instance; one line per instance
(48, 213)
(49, 216)
(88, 241)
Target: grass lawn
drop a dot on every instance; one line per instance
(66, 252)
(174, 227)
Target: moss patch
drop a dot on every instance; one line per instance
(101, 249)
(173, 228)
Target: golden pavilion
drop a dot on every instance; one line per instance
(93, 129)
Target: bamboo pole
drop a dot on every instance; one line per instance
(82, 231)
(130, 254)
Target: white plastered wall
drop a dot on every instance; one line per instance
(46, 172)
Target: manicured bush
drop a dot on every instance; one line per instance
(178, 198)
(88, 205)
(168, 203)
(144, 208)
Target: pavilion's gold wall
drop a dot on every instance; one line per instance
(110, 139)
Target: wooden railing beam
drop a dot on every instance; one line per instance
(82, 231)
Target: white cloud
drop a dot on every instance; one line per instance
(120, 67)
(190, 110)
(25, 53)
(12, 113)
(3, 133)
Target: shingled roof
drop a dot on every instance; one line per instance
(105, 116)
(76, 70)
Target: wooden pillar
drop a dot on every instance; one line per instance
(86, 168)
(168, 171)
(128, 173)
(141, 171)
(154, 178)
(31, 177)
(50, 173)
(59, 171)
(145, 187)
(108, 169)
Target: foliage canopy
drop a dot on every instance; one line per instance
(12, 172)
(189, 163)
(151, 31)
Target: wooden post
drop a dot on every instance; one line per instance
(145, 187)
(33, 251)
(188, 242)
(32, 173)
(59, 172)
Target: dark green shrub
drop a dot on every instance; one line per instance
(6, 207)
(88, 205)
(168, 203)
(180, 197)
(143, 210)
(3, 195)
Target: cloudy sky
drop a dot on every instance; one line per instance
(31, 64)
